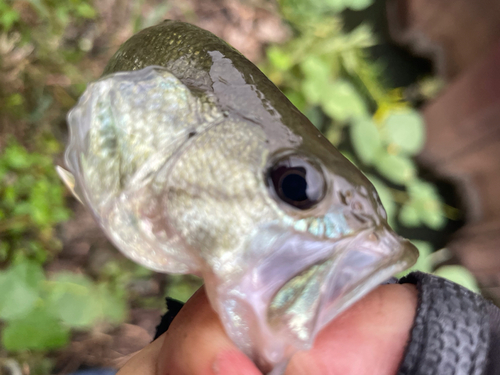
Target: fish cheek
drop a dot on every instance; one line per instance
(216, 196)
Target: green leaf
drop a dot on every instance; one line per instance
(359, 4)
(8, 16)
(296, 98)
(46, 203)
(16, 157)
(366, 140)
(19, 288)
(434, 219)
(72, 299)
(85, 10)
(426, 200)
(315, 68)
(181, 292)
(182, 287)
(396, 168)
(350, 60)
(30, 272)
(314, 115)
(313, 90)
(409, 216)
(459, 275)
(113, 306)
(17, 298)
(418, 189)
(406, 130)
(334, 134)
(14, 100)
(342, 102)
(80, 303)
(37, 331)
(279, 59)
(333, 5)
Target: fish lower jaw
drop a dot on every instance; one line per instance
(280, 304)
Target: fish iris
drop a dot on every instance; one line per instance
(297, 182)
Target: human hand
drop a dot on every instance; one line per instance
(368, 338)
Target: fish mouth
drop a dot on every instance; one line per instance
(280, 305)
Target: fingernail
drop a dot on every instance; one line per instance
(234, 362)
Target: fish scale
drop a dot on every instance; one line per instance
(224, 194)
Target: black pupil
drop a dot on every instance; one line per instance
(294, 186)
(297, 182)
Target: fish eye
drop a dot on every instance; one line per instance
(297, 181)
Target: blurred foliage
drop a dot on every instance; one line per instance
(39, 310)
(31, 203)
(37, 71)
(39, 49)
(324, 70)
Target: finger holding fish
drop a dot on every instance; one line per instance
(370, 337)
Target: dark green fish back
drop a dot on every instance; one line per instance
(204, 62)
(180, 47)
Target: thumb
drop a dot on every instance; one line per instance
(196, 343)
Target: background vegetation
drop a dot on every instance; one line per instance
(47, 56)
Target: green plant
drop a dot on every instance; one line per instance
(56, 15)
(38, 72)
(31, 203)
(39, 310)
(39, 50)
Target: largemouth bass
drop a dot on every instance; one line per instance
(192, 161)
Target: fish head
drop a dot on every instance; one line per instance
(209, 169)
(317, 242)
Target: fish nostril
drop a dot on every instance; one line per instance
(373, 237)
(363, 191)
(345, 197)
(357, 206)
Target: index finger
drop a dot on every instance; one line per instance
(370, 337)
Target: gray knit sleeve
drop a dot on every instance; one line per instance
(455, 332)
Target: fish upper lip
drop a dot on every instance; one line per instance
(351, 263)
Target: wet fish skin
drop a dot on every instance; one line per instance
(173, 161)
(254, 108)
